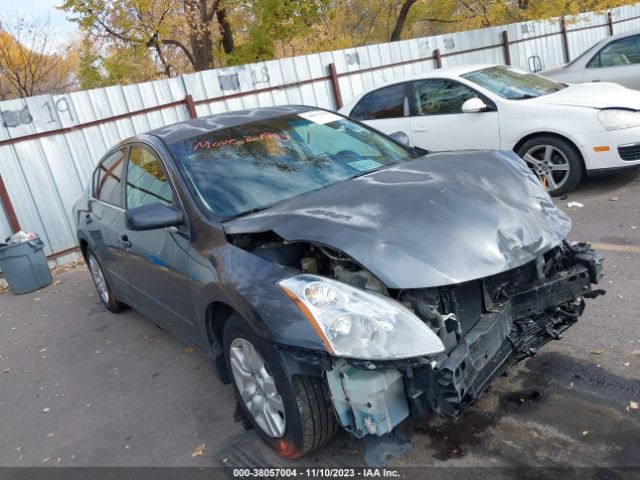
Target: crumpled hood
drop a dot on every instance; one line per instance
(441, 219)
(594, 95)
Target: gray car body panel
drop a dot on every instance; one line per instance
(474, 214)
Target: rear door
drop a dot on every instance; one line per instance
(618, 62)
(106, 219)
(158, 260)
(386, 109)
(437, 120)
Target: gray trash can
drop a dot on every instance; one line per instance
(25, 266)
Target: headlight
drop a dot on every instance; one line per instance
(358, 324)
(617, 118)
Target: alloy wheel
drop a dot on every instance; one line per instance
(548, 163)
(98, 278)
(257, 387)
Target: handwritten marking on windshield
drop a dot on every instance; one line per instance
(202, 144)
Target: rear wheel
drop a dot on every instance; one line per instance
(293, 416)
(555, 161)
(105, 292)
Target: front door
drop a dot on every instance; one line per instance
(106, 219)
(157, 260)
(438, 123)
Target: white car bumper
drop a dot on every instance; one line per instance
(608, 151)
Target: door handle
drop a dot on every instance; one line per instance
(595, 80)
(420, 129)
(124, 240)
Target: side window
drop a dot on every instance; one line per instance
(147, 182)
(107, 185)
(360, 110)
(621, 52)
(440, 96)
(388, 102)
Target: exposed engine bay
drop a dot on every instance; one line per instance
(487, 325)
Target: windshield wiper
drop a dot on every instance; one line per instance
(525, 96)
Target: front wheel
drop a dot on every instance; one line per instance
(555, 161)
(293, 416)
(105, 292)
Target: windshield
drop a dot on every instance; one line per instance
(250, 167)
(512, 84)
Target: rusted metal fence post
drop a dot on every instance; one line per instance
(610, 22)
(337, 94)
(191, 106)
(565, 40)
(505, 47)
(437, 57)
(8, 208)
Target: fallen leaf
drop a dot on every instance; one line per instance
(6, 370)
(45, 460)
(633, 405)
(58, 460)
(626, 364)
(198, 451)
(597, 351)
(51, 434)
(46, 409)
(43, 350)
(189, 349)
(586, 432)
(57, 282)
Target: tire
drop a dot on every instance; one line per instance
(308, 420)
(105, 293)
(554, 159)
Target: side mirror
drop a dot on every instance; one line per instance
(154, 216)
(401, 137)
(474, 105)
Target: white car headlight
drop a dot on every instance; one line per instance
(358, 324)
(617, 118)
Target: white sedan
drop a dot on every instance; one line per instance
(562, 131)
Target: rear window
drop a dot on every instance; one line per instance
(387, 102)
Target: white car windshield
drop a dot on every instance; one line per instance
(512, 84)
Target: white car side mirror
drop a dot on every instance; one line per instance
(473, 105)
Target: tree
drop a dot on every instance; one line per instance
(273, 24)
(402, 19)
(29, 62)
(162, 26)
(102, 65)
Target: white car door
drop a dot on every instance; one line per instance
(385, 109)
(438, 123)
(618, 62)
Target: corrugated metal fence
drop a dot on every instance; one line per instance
(50, 144)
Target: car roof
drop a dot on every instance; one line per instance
(617, 36)
(190, 128)
(448, 72)
(454, 71)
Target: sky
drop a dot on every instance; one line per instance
(64, 29)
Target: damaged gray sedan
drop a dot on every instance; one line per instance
(333, 276)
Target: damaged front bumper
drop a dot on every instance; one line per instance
(487, 326)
